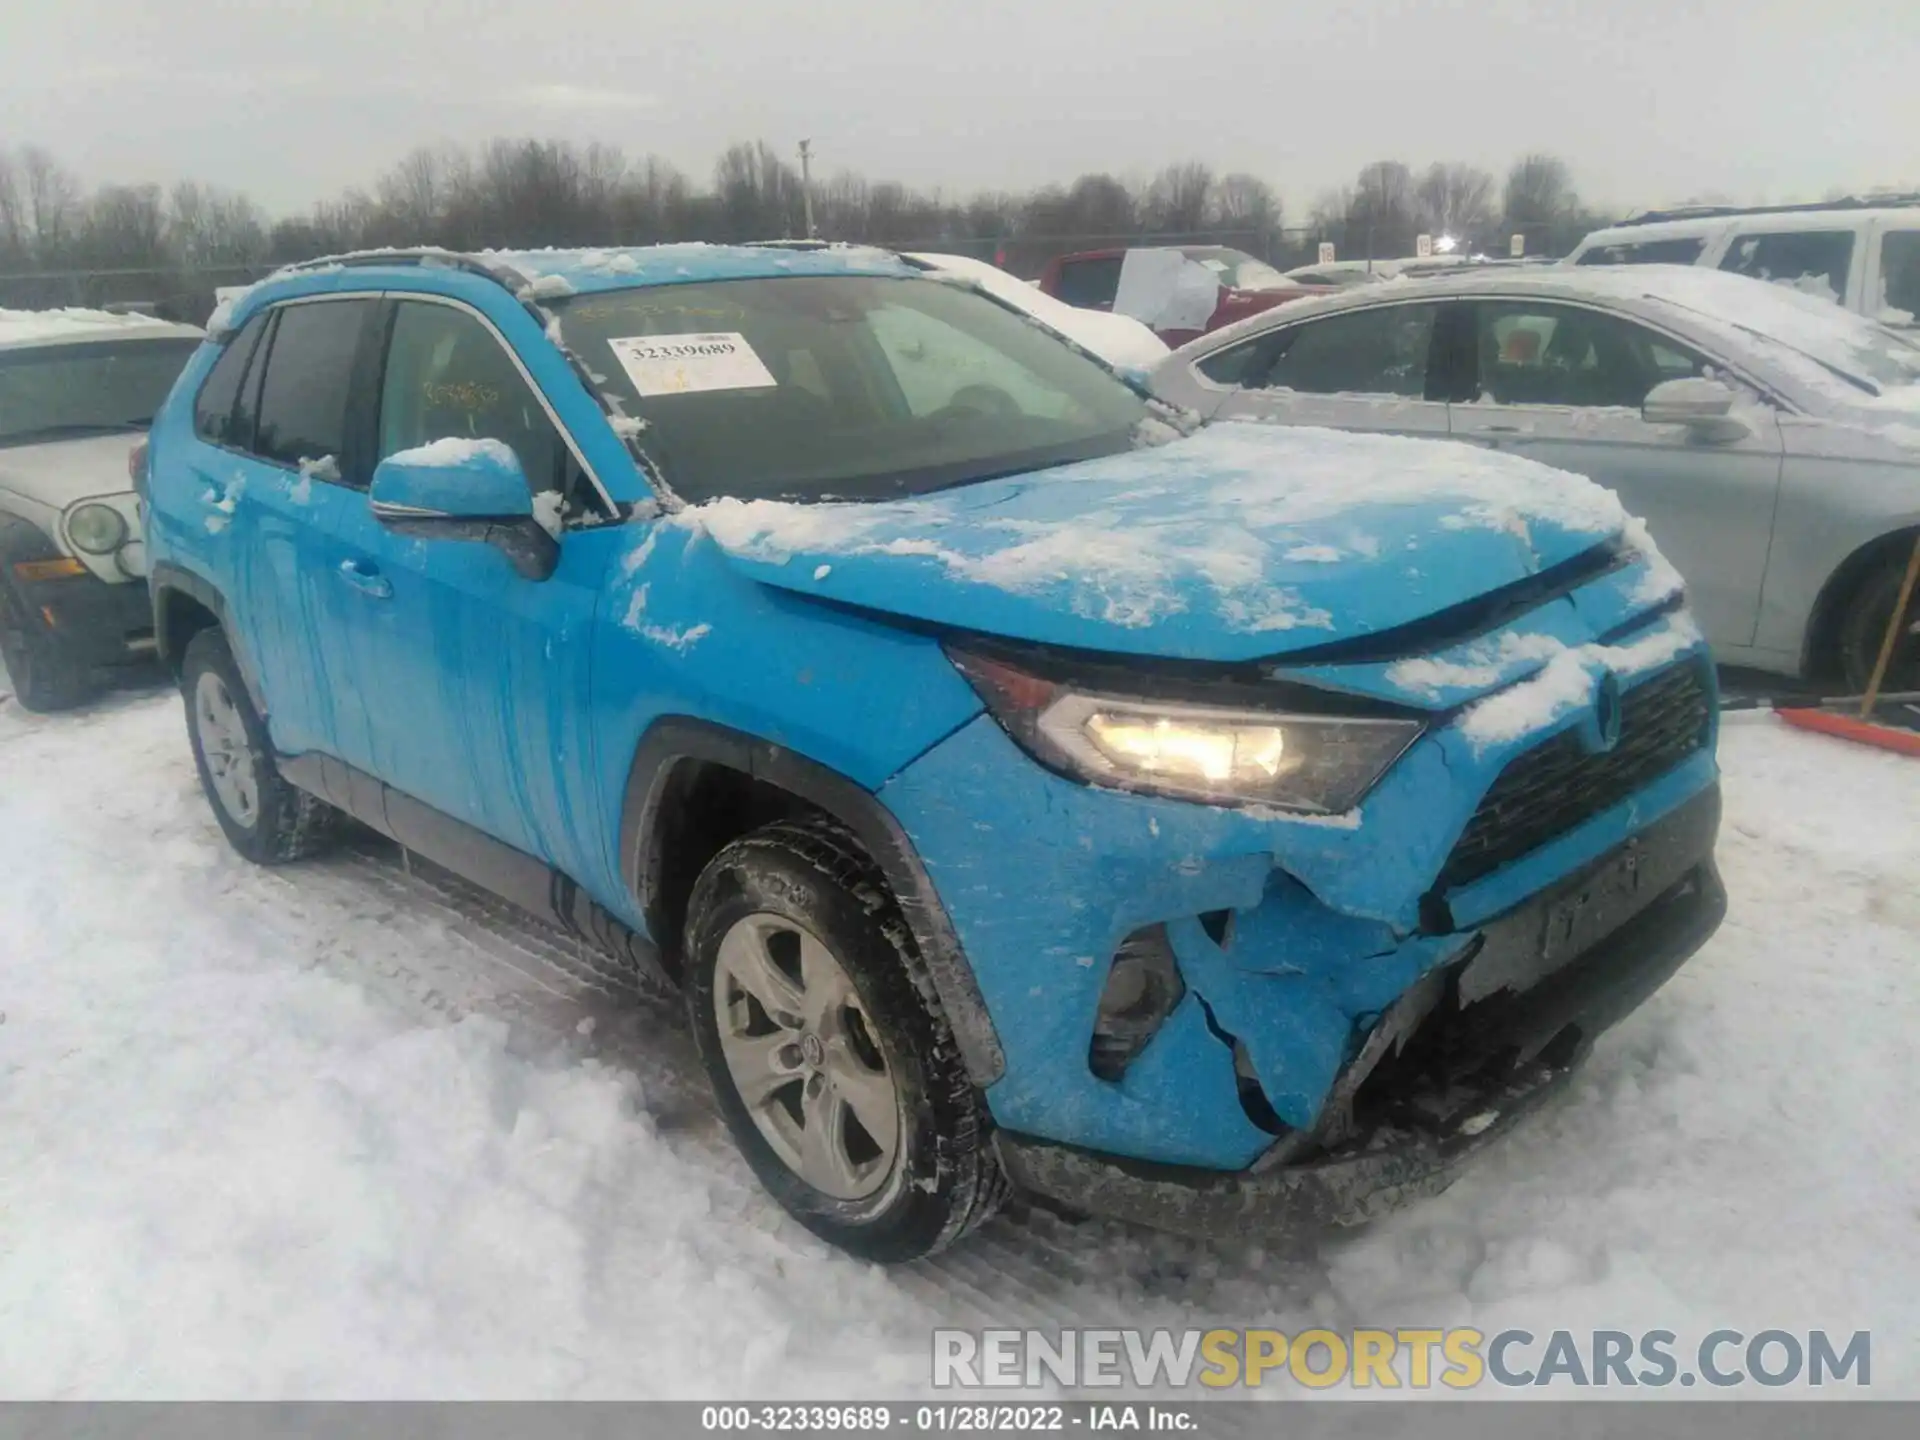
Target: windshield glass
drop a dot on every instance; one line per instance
(1867, 356)
(51, 390)
(856, 387)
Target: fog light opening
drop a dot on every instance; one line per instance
(1143, 987)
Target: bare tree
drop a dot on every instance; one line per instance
(13, 215)
(1383, 215)
(1176, 201)
(53, 197)
(1457, 200)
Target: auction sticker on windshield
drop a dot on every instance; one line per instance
(679, 364)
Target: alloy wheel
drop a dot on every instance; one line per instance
(801, 1054)
(228, 750)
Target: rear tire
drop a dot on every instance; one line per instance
(266, 819)
(45, 677)
(1864, 626)
(804, 989)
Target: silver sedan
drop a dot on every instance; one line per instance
(1770, 440)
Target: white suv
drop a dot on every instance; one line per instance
(1860, 254)
(77, 390)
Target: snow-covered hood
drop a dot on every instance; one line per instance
(59, 472)
(1239, 542)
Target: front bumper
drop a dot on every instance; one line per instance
(1451, 1067)
(101, 624)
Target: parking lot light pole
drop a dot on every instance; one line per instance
(806, 183)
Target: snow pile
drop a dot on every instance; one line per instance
(318, 1132)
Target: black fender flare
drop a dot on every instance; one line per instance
(164, 583)
(674, 740)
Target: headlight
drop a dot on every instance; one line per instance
(1319, 764)
(97, 529)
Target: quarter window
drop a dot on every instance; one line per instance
(1815, 261)
(309, 381)
(1562, 355)
(215, 410)
(1646, 252)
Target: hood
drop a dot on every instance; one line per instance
(1236, 543)
(59, 472)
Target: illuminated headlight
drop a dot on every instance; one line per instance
(97, 529)
(1314, 763)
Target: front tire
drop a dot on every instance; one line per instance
(45, 677)
(1864, 628)
(266, 819)
(830, 1058)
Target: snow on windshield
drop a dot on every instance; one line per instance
(1838, 342)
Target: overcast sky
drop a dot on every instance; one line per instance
(1649, 100)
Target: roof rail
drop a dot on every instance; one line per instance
(1871, 201)
(413, 255)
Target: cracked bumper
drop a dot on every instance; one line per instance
(1492, 1036)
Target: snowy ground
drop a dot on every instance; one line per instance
(340, 1130)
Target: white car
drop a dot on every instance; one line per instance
(1770, 440)
(1860, 254)
(1121, 341)
(77, 390)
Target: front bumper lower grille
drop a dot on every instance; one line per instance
(1560, 784)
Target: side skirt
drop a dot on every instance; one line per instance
(515, 877)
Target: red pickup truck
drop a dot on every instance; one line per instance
(1180, 292)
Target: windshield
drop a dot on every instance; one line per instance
(54, 390)
(1240, 271)
(857, 387)
(1869, 357)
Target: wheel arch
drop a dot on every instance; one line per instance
(1817, 657)
(184, 604)
(694, 786)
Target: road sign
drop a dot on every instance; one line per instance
(1326, 252)
(1518, 246)
(1423, 246)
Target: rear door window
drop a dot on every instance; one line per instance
(218, 404)
(1815, 261)
(308, 383)
(1899, 298)
(1383, 350)
(1090, 284)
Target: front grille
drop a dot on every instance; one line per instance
(1555, 786)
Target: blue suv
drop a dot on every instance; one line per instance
(1228, 829)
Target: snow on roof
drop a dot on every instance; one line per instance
(583, 271)
(57, 327)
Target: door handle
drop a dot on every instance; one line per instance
(1504, 429)
(366, 578)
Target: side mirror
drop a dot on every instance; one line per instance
(458, 489)
(1704, 406)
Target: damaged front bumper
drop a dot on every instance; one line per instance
(1450, 1067)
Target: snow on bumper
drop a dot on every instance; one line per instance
(1332, 923)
